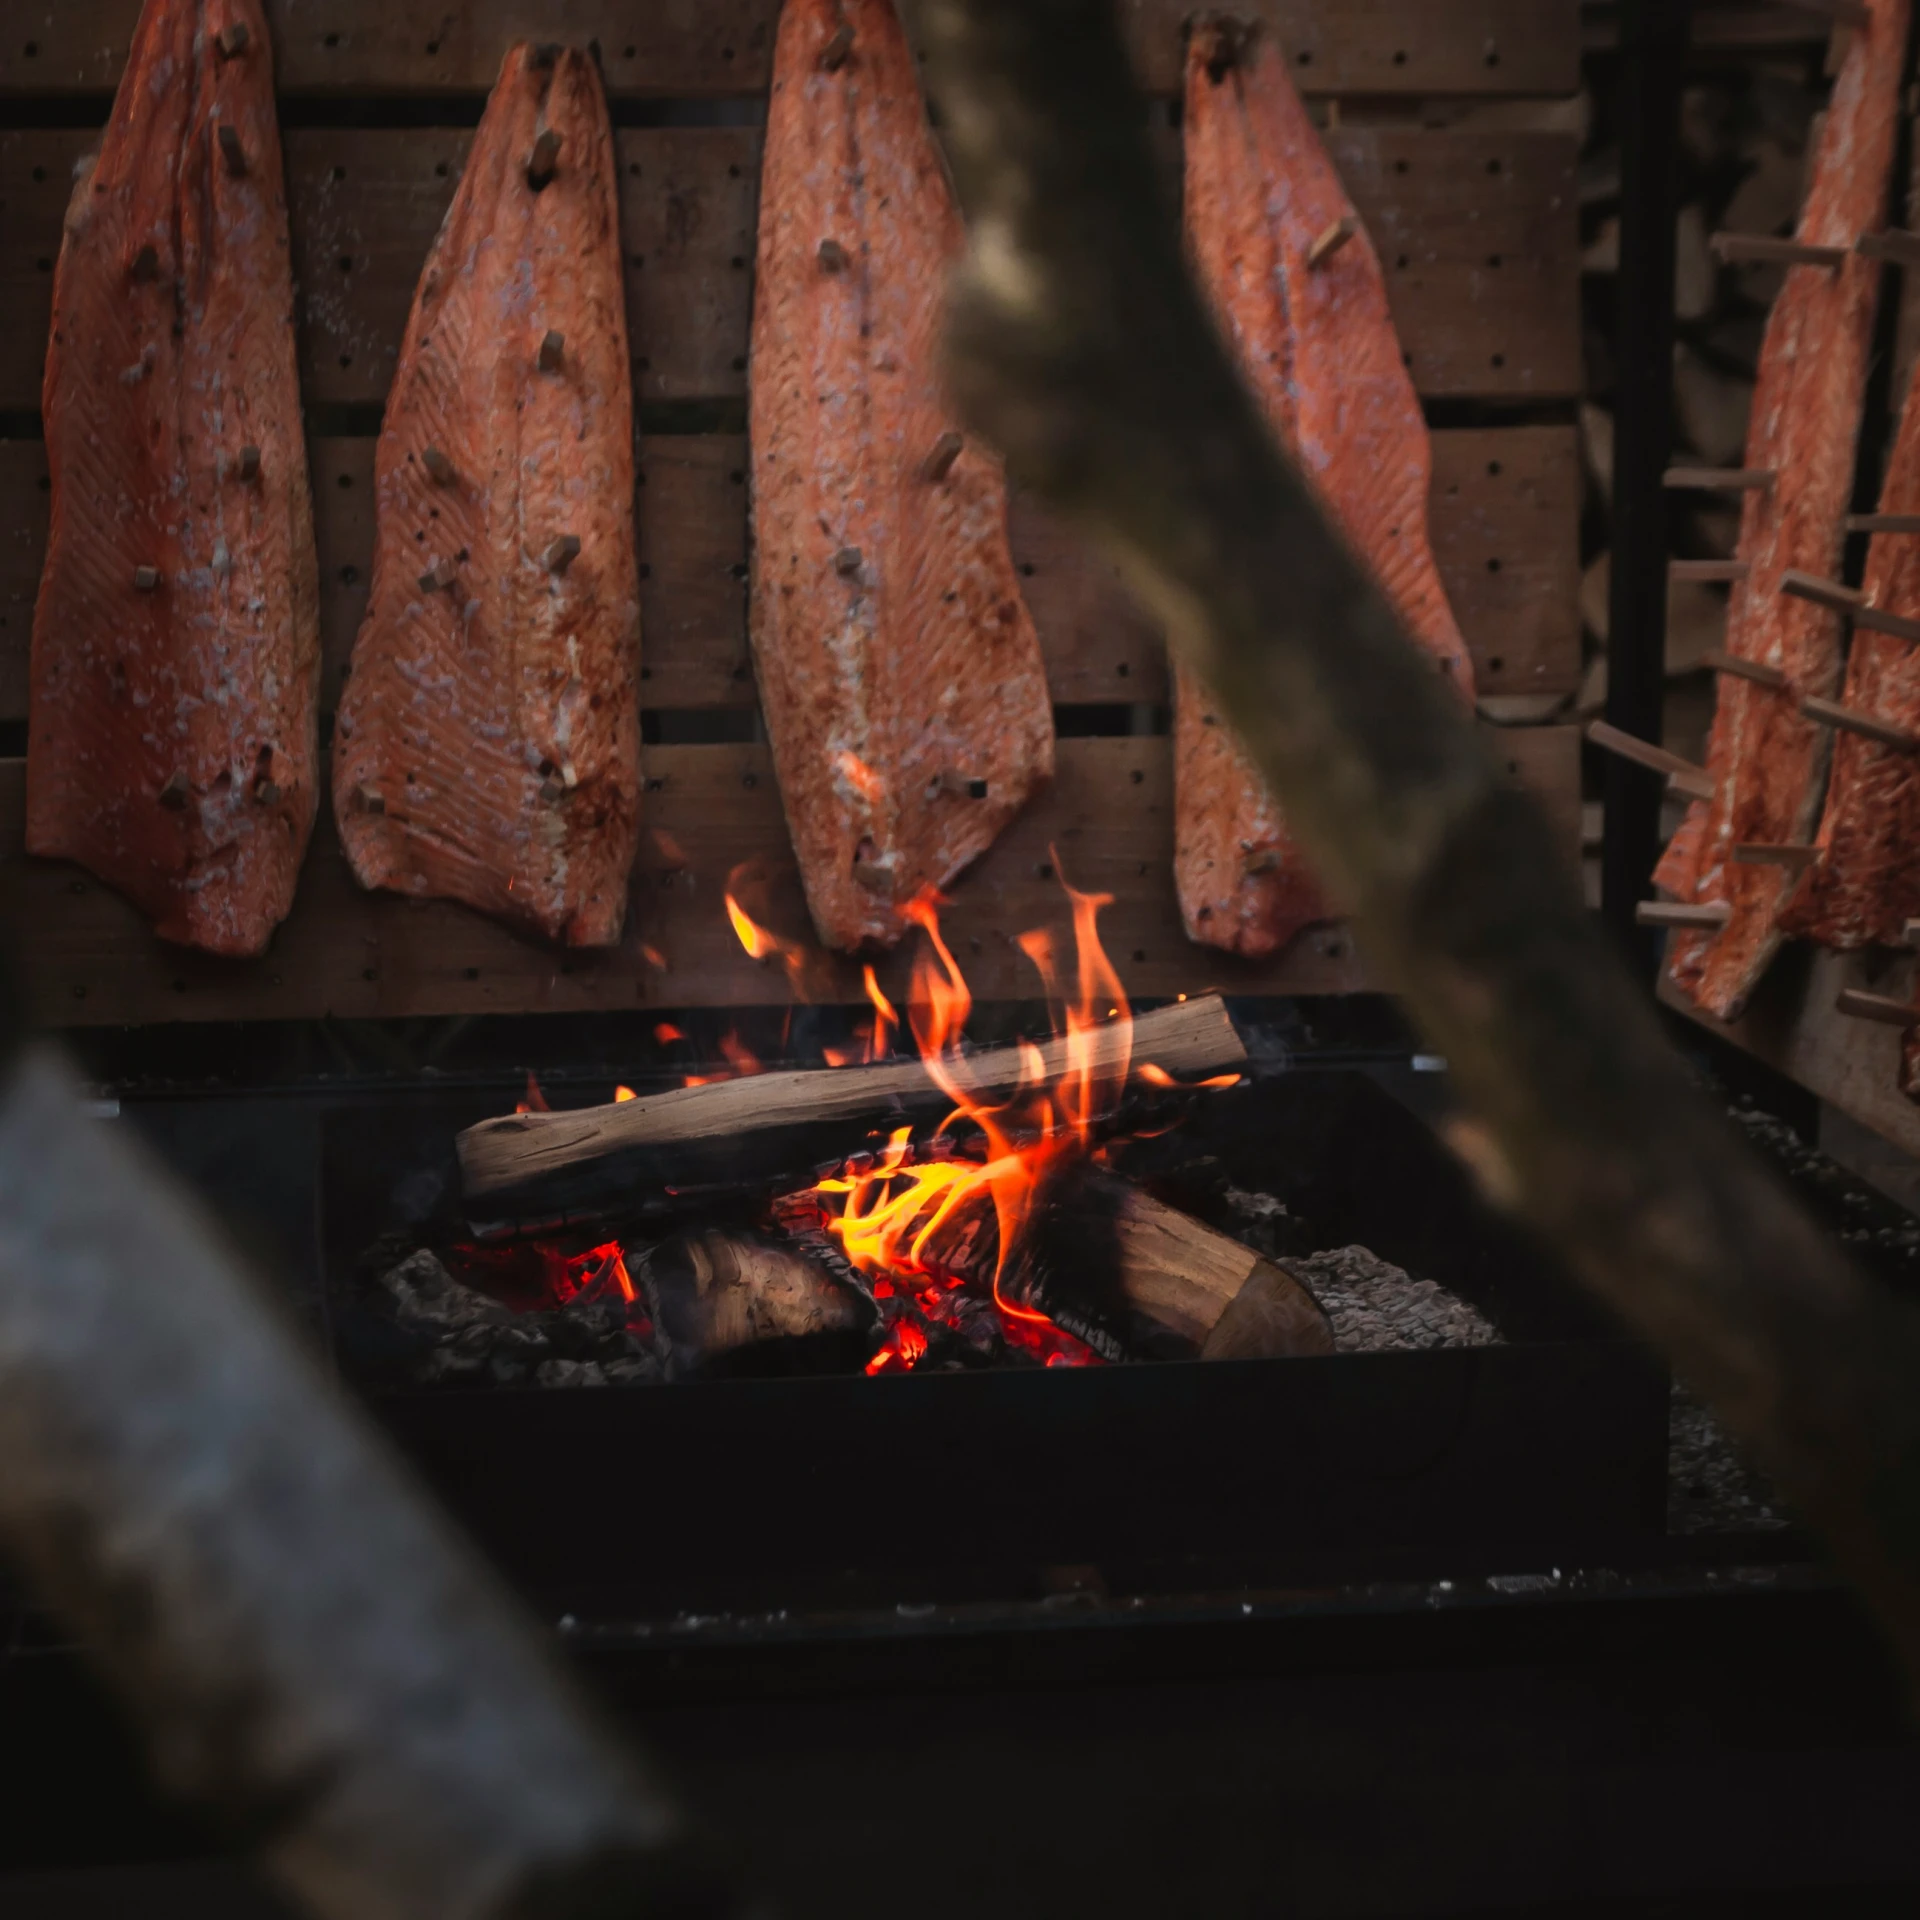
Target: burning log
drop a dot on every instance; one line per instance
(1136, 1278)
(734, 1301)
(659, 1153)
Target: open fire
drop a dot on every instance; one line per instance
(987, 1225)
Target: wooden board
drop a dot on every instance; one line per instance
(650, 48)
(1477, 232)
(87, 959)
(1794, 1025)
(1505, 527)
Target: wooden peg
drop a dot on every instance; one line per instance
(1757, 854)
(1686, 777)
(1732, 248)
(1757, 671)
(1910, 934)
(833, 56)
(437, 577)
(939, 462)
(561, 553)
(1878, 620)
(832, 256)
(1681, 913)
(439, 467)
(1895, 244)
(146, 579)
(231, 151)
(173, 796)
(553, 350)
(247, 466)
(1883, 523)
(544, 158)
(1860, 1005)
(1328, 243)
(1822, 593)
(846, 563)
(1711, 572)
(146, 266)
(1718, 479)
(1830, 713)
(232, 40)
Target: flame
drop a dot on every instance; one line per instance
(738, 1058)
(762, 943)
(623, 1094)
(886, 1023)
(667, 1033)
(892, 1213)
(536, 1101)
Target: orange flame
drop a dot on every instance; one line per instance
(892, 1212)
(623, 1094)
(667, 1033)
(536, 1101)
(762, 943)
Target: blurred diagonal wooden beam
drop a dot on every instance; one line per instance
(1078, 344)
(309, 1649)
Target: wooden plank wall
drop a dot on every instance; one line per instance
(1477, 232)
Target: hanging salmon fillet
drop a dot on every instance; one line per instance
(899, 671)
(172, 746)
(1297, 288)
(1767, 760)
(1865, 886)
(487, 747)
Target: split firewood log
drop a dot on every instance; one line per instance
(667, 1151)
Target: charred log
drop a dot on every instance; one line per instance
(1134, 1278)
(663, 1153)
(730, 1302)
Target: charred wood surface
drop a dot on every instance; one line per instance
(729, 1301)
(665, 1151)
(1135, 1278)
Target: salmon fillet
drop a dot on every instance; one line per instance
(172, 744)
(1768, 762)
(901, 678)
(1866, 884)
(1317, 346)
(488, 744)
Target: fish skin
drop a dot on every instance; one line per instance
(1865, 886)
(1768, 762)
(890, 681)
(173, 745)
(488, 742)
(1318, 348)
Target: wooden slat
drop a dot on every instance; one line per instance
(1505, 526)
(651, 48)
(1796, 1026)
(87, 958)
(1476, 232)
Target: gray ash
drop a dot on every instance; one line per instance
(458, 1335)
(1374, 1306)
(1710, 1487)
